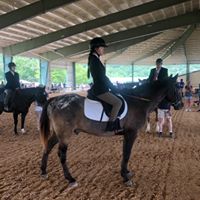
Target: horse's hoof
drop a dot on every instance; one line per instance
(129, 183)
(159, 134)
(170, 135)
(23, 131)
(44, 176)
(130, 175)
(72, 185)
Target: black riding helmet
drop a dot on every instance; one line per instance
(11, 64)
(159, 61)
(97, 42)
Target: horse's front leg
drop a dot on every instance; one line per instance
(148, 128)
(129, 139)
(157, 121)
(23, 116)
(15, 117)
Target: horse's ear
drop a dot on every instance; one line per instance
(175, 77)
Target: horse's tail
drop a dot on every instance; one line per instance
(44, 126)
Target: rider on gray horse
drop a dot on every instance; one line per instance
(102, 86)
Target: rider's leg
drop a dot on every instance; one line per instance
(116, 105)
(8, 95)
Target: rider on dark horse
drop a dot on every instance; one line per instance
(102, 86)
(12, 85)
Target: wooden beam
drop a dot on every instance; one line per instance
(32, 10)
(179, 42)
(89, 25)
(141, 31)
(120, 47)
(157, 50)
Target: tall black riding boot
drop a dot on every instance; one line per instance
(114, 126)
(110, 126)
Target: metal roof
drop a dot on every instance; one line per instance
(137, 31)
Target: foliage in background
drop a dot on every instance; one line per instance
(58, 75)
(81, 74)
(143, 71)
(28, 68)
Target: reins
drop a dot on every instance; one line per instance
(136, 97)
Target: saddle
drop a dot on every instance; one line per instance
(98, 110)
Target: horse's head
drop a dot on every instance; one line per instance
(41, 95)
(174, 95)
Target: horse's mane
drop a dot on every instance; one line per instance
(146, 89)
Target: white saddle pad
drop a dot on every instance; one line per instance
(93, 110)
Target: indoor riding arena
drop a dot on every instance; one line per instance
(164, 168)
(57, 33)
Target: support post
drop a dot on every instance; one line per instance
(44, 72)
(132, 72)
(187, 64)
(6, 60)
(71, 75)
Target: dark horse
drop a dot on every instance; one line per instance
(63, 116)
(22, 100)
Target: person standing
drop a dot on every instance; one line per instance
(12, 84)
(164, 114)
(188, 96)
(181, 85)
(102, 86)
(159, 72)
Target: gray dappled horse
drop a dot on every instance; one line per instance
(63, 116)
(22, 100)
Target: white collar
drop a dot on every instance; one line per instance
(95, 54)
(13, 73)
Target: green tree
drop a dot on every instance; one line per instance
(28, 68)
(81, 74)
(58, 75)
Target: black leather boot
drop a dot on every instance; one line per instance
(110, 126)
(114, 126)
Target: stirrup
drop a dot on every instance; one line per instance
(110, 126)
(114, 126)
(6, 108)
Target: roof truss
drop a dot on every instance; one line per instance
(112, 18)
(156, 27)
(30, 11)
(180, 41)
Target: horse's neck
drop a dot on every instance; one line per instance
(156, 98)
(28, 95)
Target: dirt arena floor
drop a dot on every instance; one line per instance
(165, 169)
